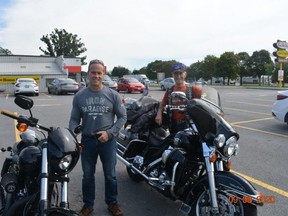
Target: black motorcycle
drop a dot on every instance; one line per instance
(34, 178)
(192, 165)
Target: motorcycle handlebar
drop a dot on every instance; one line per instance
(9, 114)
(30, 122)
(180, 107)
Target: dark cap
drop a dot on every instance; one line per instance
(178, 67)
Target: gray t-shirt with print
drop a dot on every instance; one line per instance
(98, 111)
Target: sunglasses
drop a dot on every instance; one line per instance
(178, 72)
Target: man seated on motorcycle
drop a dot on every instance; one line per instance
(177, 120)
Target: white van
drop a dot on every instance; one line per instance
(141, 77)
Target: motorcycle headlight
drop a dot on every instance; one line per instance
(219, 141)
(65, 162)
(231, 147)
(63, 151)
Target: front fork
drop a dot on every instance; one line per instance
(44, 181)
(44, 200)
(207, 153)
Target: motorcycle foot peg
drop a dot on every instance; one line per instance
(9, 181)
(185, 209)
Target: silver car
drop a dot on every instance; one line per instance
(167, 83)
(109, 82)
(63, 86)
(26, 86)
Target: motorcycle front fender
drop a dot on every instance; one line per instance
(235, 182)
(230, 182)
(60, 212)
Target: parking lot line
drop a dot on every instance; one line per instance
(246, 111)
(262, 184)
(260, 131)
(249, 121)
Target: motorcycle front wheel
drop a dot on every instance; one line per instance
(61, 212)
(228, 205)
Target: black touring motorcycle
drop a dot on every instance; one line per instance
(34, 178)
(192, 165)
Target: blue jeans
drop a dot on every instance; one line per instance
(107, 152)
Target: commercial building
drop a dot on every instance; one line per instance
(42, 68)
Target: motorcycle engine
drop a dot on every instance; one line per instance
(170, 158)
(30, 168)
(186, 140)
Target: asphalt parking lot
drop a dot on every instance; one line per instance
(262, 157)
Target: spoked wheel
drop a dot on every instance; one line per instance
(227, 206)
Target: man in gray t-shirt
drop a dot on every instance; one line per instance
(101, 113)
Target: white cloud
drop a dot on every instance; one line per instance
(133, 33)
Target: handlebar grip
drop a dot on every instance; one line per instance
(9, 114)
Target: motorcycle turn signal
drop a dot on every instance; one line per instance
(22, 127)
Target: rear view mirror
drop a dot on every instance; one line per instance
(24, 102)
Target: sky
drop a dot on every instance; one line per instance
(134, 33)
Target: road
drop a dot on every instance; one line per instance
(262, 157)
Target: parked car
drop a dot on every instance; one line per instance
(141, 77)
(130, 84)
(63, 86)
(26, 86)
(81, 85)
(167, 83)
(109, 82)
(280, 107)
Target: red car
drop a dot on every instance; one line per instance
(130, 85)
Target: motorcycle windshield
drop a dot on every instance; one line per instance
(207, 119)
(211, 94)
(61, 141)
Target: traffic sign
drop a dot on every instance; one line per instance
(282, 53)
(281, 60)
(281, 45)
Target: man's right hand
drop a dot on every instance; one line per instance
(158, 119)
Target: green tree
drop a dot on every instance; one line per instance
(194, 71)
(120, 71)
(60, 42)
(209, 67)
(5, 51)
(257, 63)
(243, 65)
(159, 66)
(228, 66)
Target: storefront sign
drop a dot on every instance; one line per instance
(12, 79)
